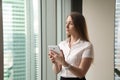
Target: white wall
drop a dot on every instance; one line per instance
(99, 15)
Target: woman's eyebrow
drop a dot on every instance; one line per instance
(69, 21)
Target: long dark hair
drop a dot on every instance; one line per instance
(80, 25)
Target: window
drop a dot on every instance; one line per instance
(27, 30)
(117, 38)
(21, 42)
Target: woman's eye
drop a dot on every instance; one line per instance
(71, 23)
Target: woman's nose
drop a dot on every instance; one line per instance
(67, 25)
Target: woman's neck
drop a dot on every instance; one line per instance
(72, 40)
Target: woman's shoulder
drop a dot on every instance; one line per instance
(87, 44)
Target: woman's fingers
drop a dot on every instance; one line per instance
(54, 57)
(51, 56)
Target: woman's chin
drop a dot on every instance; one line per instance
(67, 33)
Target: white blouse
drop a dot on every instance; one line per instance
(80, 49)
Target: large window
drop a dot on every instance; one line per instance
(29, 26)
(117, 40)
(21, 42)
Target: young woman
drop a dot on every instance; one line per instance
(76, 51)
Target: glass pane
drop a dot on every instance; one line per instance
(20, 31)
(117, 41)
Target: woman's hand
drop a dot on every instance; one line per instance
(56, 57)
(51, 57)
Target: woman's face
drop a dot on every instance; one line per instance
(70, 29)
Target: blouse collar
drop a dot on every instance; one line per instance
(76, 42)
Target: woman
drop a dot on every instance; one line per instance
(76, 51)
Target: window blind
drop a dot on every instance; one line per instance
(117, 38)
(21, 42)
(14, 40)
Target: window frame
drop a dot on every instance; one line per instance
(1, 43)
(116, 41)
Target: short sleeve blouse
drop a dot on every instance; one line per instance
(80, 49)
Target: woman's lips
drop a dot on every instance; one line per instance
(67, 30)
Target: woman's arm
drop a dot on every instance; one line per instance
(56, 67)
(82, 69)
(59, 60)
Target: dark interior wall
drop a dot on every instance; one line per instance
(76, 5)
